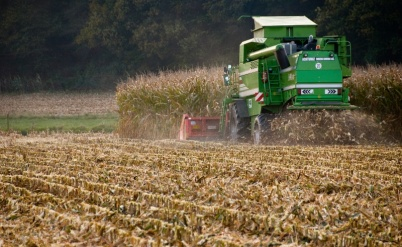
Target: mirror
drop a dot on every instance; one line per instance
(227, 69)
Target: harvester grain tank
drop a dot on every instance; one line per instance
(284, 66)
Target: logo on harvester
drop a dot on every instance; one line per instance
(318, 65)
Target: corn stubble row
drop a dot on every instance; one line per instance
(102, 190)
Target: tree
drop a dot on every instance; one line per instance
(372, 27)
(93, 43)
(37, 40)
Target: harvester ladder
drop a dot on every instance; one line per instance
(275, 95)
(345, 53)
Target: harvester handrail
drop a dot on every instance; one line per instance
(348, 46)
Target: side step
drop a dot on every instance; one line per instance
(199, 128)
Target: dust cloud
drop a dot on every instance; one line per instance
(326, 128)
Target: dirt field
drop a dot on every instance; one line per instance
(87, 189)
(58, 104)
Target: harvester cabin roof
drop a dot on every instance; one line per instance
(274, 27)
(281, 21)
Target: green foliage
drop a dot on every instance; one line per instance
(106, 26)
(25, 28)
(74, 45)
(371, 26)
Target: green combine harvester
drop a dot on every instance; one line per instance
(283, 67)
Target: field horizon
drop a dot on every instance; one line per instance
(59, 112)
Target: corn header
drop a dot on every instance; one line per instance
(283, 67)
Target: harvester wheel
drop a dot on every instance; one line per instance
(262, 128)
(239, 128)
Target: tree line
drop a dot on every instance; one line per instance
(92, 44)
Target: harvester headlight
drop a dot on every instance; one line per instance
(305, 55)
(331, 54)
(226, 79)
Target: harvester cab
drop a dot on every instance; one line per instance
(284, 66)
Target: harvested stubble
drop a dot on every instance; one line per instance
(101, 190)
(58, 104)
(327, 127)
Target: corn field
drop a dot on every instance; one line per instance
(378, 90)
(97, 189)
(151, 106)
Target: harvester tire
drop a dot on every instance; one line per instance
(262, 128)
(239, 128)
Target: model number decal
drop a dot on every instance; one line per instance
(304, 59)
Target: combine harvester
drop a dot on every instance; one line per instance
(283, 67)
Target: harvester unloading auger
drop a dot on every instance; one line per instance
(283, 67)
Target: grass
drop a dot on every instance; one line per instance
(75, 124)
(59, 112)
